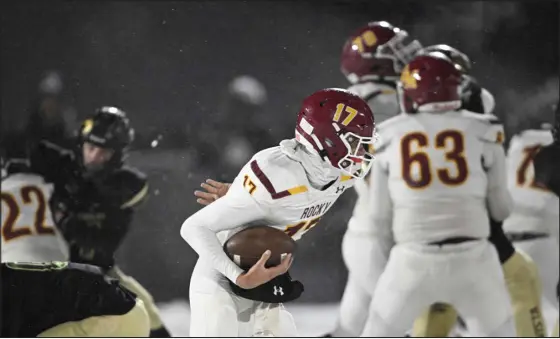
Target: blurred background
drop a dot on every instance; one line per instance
(207, 84)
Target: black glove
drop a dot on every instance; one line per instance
(471, 95)
(500, 241)
(281, 289)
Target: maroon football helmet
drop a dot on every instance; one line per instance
(377, 51)
(339, 126)
(430, 83)
(460, 59)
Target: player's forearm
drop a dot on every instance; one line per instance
(206, 244)
(499, 204)
(498, 198)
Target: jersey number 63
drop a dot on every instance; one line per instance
(451, 142)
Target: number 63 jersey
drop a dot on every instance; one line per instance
(440, 169)
(28, 230)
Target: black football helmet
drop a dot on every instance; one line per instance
(109, 128)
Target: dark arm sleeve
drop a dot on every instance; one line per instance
(500, 241)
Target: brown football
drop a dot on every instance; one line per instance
(246, 247)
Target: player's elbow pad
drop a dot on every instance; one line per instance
(499, 204)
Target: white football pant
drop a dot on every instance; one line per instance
(365, 257)
(217, 312)
(466, 275)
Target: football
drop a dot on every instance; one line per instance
(246, 247)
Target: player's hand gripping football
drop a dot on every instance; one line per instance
(214, 191)
(259, 274)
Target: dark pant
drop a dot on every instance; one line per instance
(38, 296)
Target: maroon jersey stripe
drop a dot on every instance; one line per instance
(266, 182)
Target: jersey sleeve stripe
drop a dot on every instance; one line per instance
(268, 185)
(345, 177)
(297, 190)
(136, 198)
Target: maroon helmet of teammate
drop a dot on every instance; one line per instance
(430, 82)
(339, 126)
(377, 51)
(460, 59)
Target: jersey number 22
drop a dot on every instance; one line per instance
(29, 195)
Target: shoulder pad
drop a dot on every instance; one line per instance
(129, 185)
(491, 127)
(14, 166)
(369, 90)
(487, 101)
(54, 149)
(267, 184)
(385, 131)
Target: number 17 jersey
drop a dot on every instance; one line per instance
(436, 167)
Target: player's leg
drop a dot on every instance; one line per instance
(135, 323)
(353, 311)
(213, 315)
(546, 256)
(56, 298)
(215, 310)
(524, 287)
(481, 296)
(365, 256)
(437, 321)
(157, 329)
(399, 295)
(273, 320)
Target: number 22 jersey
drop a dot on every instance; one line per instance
(28, 230)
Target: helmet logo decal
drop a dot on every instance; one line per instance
(351, 114)
(409, 79)
(368, 38)
(88, 125)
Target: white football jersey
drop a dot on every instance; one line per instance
(535, 208)
(28, 230)
(272, 189)
(434, 168)
(381, 98)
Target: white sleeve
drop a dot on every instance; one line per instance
(498, 199)
(381, 206)
(235, 209)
